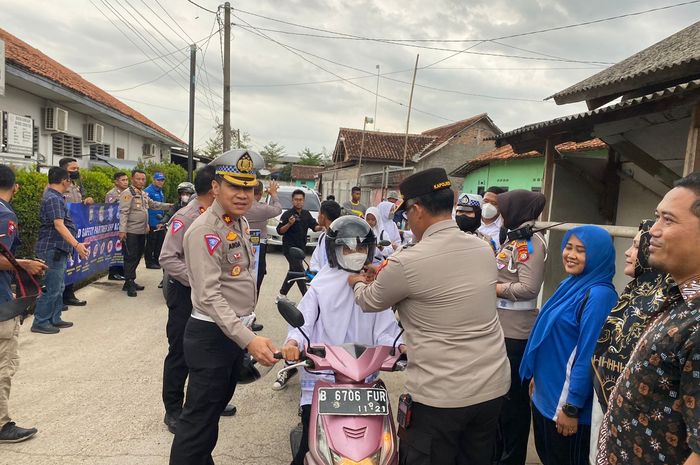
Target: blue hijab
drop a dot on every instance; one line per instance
(598, 271)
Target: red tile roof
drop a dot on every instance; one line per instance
(306, 172)
(384, 146)
(24, 56)
(506, 152)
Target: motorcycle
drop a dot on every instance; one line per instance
(351, 420)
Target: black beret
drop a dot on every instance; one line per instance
(423, 182)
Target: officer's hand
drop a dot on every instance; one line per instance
(33, 267)
(263, 350)
(291, 352)
(122, 236)
(88, 201)
(83, 252)
(357, 278)
(292, 219)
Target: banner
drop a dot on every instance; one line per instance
(98, 228)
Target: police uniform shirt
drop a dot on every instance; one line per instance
(113, 195)
(172, 255)
(74, 194)
(8, 235)
(520, 265)
(133, 210)
(443, 289)
(220, 267)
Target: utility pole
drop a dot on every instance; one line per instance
(362, 147)
(190, 141)
(376, 100)
(227, 77)
(408, 118)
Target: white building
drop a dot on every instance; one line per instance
(49, 112)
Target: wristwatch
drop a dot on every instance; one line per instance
(571, 411)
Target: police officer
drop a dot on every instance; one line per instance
(468, 216)
(133, 226)
(74, 194)
(172, 259)
(520, 264)
(220, 269)
(443, 289)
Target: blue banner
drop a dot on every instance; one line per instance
(98, 228)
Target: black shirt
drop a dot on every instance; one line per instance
(296, 234)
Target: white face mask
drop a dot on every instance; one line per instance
(354, 261)
(488, 211)
(184, 198)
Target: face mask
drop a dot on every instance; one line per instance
(184, 198)
(74, 175)
(488, 211)
(354, 261)
(467, 224)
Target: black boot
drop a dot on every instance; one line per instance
(130, 288)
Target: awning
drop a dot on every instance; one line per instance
(118, 163)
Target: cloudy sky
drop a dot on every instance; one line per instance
(303, 68)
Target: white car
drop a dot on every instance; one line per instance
(311, 203)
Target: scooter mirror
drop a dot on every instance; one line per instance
(290, 313)
(297, 254)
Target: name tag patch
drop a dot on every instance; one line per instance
(212, 241)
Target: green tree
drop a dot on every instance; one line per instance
(214, 146)
(272, 152)
(308, 157)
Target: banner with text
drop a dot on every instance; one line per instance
(98, 228)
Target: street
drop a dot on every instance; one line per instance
(94, 390)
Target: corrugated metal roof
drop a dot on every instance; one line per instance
(669, 60)
(659, 95)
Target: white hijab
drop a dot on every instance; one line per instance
(386, 223)
(374, 211)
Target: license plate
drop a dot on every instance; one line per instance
(348, 401)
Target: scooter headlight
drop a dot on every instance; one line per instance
(322, 443)
(373, 460)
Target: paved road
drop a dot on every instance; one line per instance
(94, 390)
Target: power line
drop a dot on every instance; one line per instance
(174, 21)
(290, 49)
(200, 6)
(148, 82)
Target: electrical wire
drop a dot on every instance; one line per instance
(200, 6)
(149, 82)
(290, 49)
(174, 21)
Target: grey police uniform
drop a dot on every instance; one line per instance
(220, 268)
(179, 301)
(133, 220)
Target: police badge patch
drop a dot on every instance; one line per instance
(212, 241)
(177, 226)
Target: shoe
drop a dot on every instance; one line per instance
(63, 324)
(153, 266)
(229, 411)
(74, 301)
(132, 293)
(255, 327)
(170, 421)
(115, 277)
(13, 433)
(132, 285)
(282, 380)
(138, 287)
(45, 329)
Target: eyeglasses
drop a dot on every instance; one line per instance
(408, 208)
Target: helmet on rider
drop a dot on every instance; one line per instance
(468, 212)
(350, 243)
(185, 190)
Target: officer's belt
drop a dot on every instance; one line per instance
(201, 316)
(519, 305)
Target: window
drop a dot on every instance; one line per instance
(101, 150)
(311, 202)
(120, 153)
(64, 145)
(35, 140)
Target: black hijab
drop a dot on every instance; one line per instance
(519, 206)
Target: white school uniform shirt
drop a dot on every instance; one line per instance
(319, 259)
(493, 230)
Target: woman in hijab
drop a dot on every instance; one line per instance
(520, 263)
(639, 303)
(558, 353)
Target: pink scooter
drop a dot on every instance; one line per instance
(351, 421)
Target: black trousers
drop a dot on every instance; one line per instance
(175, 367)
(262, 265)
(514, 422)
(116, 269)
(214, 362)
(450, 436)
(154, 242)
(304, 446)
(133, 251)
(555, 449)
(68, 292)
(294, 265)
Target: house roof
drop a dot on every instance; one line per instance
(384, 146)
(582, 123)
(28, 58)
(507, 153)
(444, 133)
(306, 172)
(671, 61)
